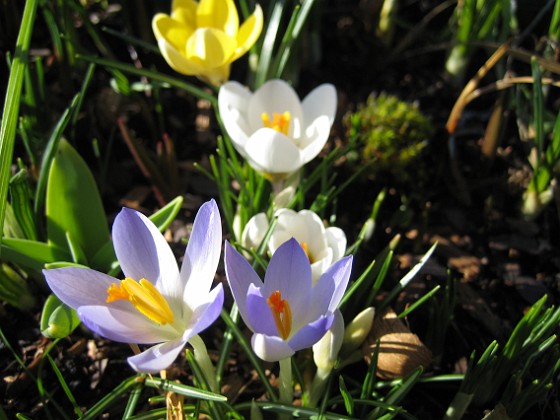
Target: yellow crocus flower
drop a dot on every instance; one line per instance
(203, 38)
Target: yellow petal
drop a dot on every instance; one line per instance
(249, 32)
(218, 14)
(173, 31)
(177, 61)
(216, 76)
(185, 12)
(210, 48)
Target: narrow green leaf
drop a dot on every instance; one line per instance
(11, 104)
(21, 196)
(32, 254)
(164, 216)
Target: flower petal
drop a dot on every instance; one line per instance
(202, 254)
(336, 240)
(219, 14)
(270, 348)
(240, 275)
(258, 313)
(311, 333)
(289, 272)
(157, 358)
(185, 12)
(271, 151)
(208, 310)
(172, 30)
(325, 351)
(330, 288)
(143, 252)
(233, 100)
(276, 96)
(254, 231)
(85, 290)
(124, 325)
(210, 48)
(319, 109)
(178, 61)
(249, 32)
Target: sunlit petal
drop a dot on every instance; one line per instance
(209, 48)
(202, 254)
(240, 276)
(311, 333)
(249, 32)
(233, 99)
(157, 358)
(143, 252)
(270, 348)
(184, 11)
(178, 61)
(272, 152)
(259, 316)
(336, 240)
(219, 14)
(289, 272)
(173, 31)
(208, 310)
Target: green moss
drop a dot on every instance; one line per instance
(388, 130)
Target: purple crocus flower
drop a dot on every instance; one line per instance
(156, 302)
(286, 313)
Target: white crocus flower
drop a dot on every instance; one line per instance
(323, 246)
(275, 131)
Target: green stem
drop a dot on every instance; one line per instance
(458, 406)
(204, 362)
(318, 386)
(285, 385)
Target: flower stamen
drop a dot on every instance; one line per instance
(145, 297)
(279, 122)
(307, 253)
(281, 312)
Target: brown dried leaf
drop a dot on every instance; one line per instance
(400, 351)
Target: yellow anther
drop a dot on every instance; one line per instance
(281, 312)
(306, 250)
(279, 122)
(145, 297)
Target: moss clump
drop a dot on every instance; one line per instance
(389, 131)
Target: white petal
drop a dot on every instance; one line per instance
(269, 348)
(202, 254)
(158, 357)
(143, 252)
(319, 109)
(254, 231)
(276, 96)
(233, 100)
(270, 151)
(336, 240)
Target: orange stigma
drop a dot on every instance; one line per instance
(281, 312)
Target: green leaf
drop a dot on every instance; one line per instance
(73, 204)
(57, 319)
(14, 290)
(10, 114)
(31, 254)
(164, 216)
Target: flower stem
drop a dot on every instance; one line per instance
(285, 386)
(318, 386)
(204, 362)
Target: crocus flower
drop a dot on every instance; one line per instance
(156, 302)
(287, 312)
(323, 246)
(203, 38)
(271, 128)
